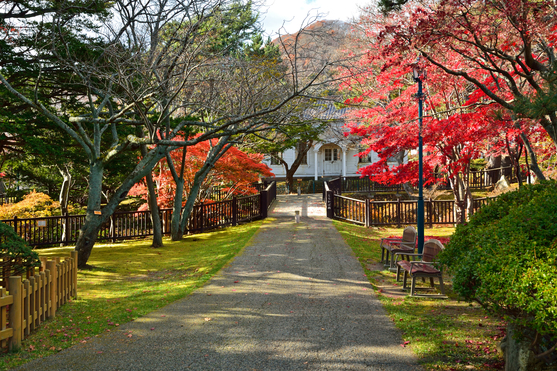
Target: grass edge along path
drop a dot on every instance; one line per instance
(129, 280)
(444, 334)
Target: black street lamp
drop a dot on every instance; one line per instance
(420, 75)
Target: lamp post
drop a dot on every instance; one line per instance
(420, 75)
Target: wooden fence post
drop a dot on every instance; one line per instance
(263, 207)
(15, 312)
(26, 307)
(51, 266)
(43, 296)
(15, 224)
(5, 331)
(74, 275)
(44, 259)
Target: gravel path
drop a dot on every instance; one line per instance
(295, 299)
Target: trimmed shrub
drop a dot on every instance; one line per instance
(506, 258)
(34, 204)
(17, 255)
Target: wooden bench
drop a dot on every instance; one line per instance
(391, 246)
(422, 268)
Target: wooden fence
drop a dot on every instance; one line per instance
(54, 230)
(380, 213)
(25, 304)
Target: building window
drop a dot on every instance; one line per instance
(364, 159)
(392, 161)
(331, 154)
(300, 148)
(275, 158)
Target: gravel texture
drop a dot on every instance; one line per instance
(295, 299)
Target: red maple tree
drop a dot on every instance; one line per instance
(501, 52)
(233, 174)
(461, 122)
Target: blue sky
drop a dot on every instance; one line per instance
(293, 12)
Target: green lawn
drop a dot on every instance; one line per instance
(445, 334)
(130, 279)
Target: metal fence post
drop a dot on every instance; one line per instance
(263, 207)
(368, 211)
(234, 211)
(398, 212)
(201, 216)
(330, 196)
(430, 212)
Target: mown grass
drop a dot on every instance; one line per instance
(445, 334)
(129, 280)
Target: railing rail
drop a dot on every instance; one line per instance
(382, 213)
(53, 230)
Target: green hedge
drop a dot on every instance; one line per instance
(17, 255)
(506, 257)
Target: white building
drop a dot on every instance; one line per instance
(332, 155)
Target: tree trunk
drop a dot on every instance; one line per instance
(64, 199)
(533, 158)
(153, 206)
(176, 225)
(290, 179)
(463, 198)
(93, 222)
(212, 157)
(192, 196)
(517, 353)
(155, 215)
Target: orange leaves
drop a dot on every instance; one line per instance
(234, 173)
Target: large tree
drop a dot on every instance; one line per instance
(148, 66)
(505, 49)
(460, 122)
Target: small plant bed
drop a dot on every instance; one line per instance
(129, 280)
(445, 334)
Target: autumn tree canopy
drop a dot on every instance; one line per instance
(234, 173)
(484, 67)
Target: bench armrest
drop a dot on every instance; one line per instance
(390, 240)
(407, 254)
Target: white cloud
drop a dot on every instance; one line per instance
(293, 12)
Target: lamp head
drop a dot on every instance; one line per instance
(418, 72)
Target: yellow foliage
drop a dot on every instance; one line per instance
(33, 205)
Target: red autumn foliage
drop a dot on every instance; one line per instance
(465, 114)
(234, 173)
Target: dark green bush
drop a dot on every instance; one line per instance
(506, 257)
(17, 255)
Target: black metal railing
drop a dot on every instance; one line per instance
(54, 230)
